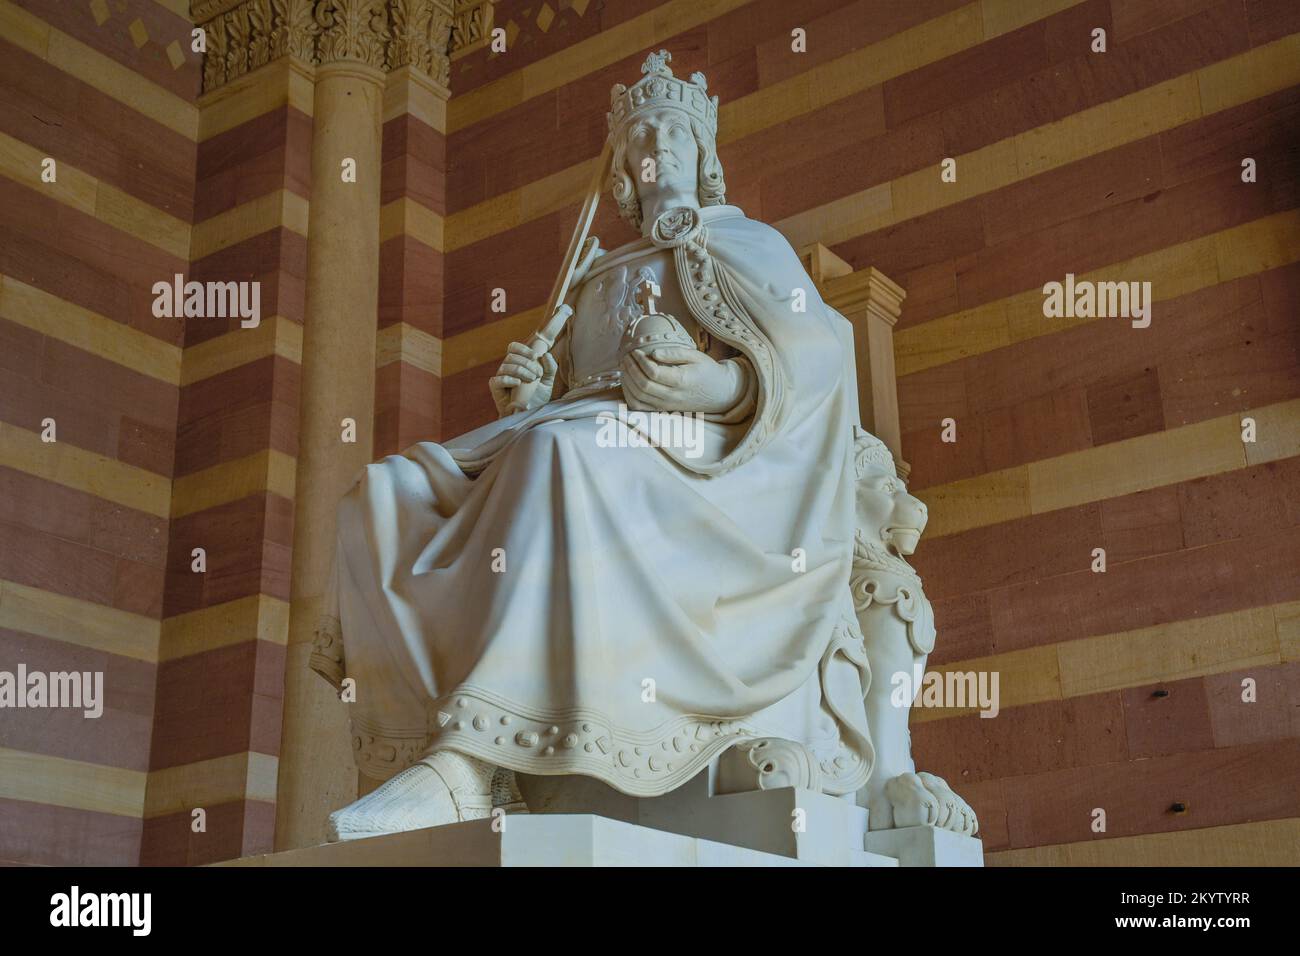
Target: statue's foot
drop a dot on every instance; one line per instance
(442, 787)
(920, 799)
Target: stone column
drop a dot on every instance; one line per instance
(872, 302)
(338, 384)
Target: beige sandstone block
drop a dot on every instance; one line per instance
(83, 623)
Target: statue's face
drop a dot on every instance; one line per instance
(662, 155)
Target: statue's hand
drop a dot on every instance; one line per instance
(522, 364)
(678, 379)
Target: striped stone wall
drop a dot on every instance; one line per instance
(1072, 434)
(1120, 691)
(85, 521)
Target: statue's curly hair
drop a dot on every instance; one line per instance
(710, 186)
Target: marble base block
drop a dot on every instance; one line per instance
(926, 846)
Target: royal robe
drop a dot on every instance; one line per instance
(528, 595)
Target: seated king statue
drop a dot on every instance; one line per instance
(643, 566)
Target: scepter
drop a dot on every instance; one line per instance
(580, 249)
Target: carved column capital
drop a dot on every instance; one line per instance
(242, 35)
(471, 26)
(421, 37)
(355, 30)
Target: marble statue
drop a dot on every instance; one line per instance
(556, 593)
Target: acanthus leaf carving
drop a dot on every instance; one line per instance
(243, 35)
(352, 30)
(293, 31)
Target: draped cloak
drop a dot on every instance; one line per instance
(530, 596)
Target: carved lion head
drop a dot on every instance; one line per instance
(886, 514)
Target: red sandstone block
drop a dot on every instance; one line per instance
(138, 588)
(232, 149)
(955, 748)
(936, 462)
(927, 397)
(245, 554)
(1253, 372)
(1178, 722)
(1219, 787)
(410, 284)
(203, 705)
(1037, 428)
(1068, 34)
(931, 292)
(1275, 560)
(1215, 579)
(77, 421)
(952, 231)
(1038, 547)
(21, 349)
(71, 369)
(1272, 715)
(1110, 235)
(1280, 290)
(965, 626)
(472, 150)
(1270, 20)
(855, 166)
(146, 446)
(125, 532)
(988, 799)
(119, 737)
(170, 841)
(467, 402)
(247, 431)
(1052, 735)
(1207, 320)
(1108, 179)
(1068, 86)
(43, 834)
(1221, 140)
(751, 25)
(45, 506)
(965, 75)
(236, 388)
(40, 560)
(1142, 524)
(1135, 17)
(1125, 406)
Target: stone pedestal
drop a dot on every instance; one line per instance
(926, 846)
(578, 821)
(526, 840)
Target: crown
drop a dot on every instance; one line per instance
(660, 88)
(871, 455)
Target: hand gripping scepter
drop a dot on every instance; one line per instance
(581, 251)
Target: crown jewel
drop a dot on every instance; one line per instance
(660, 88)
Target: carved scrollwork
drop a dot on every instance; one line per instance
(352, 30)
(420, 34)
(471, 24)
(768, 763)
(243, 35)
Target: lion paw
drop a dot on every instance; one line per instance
(922, 799)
